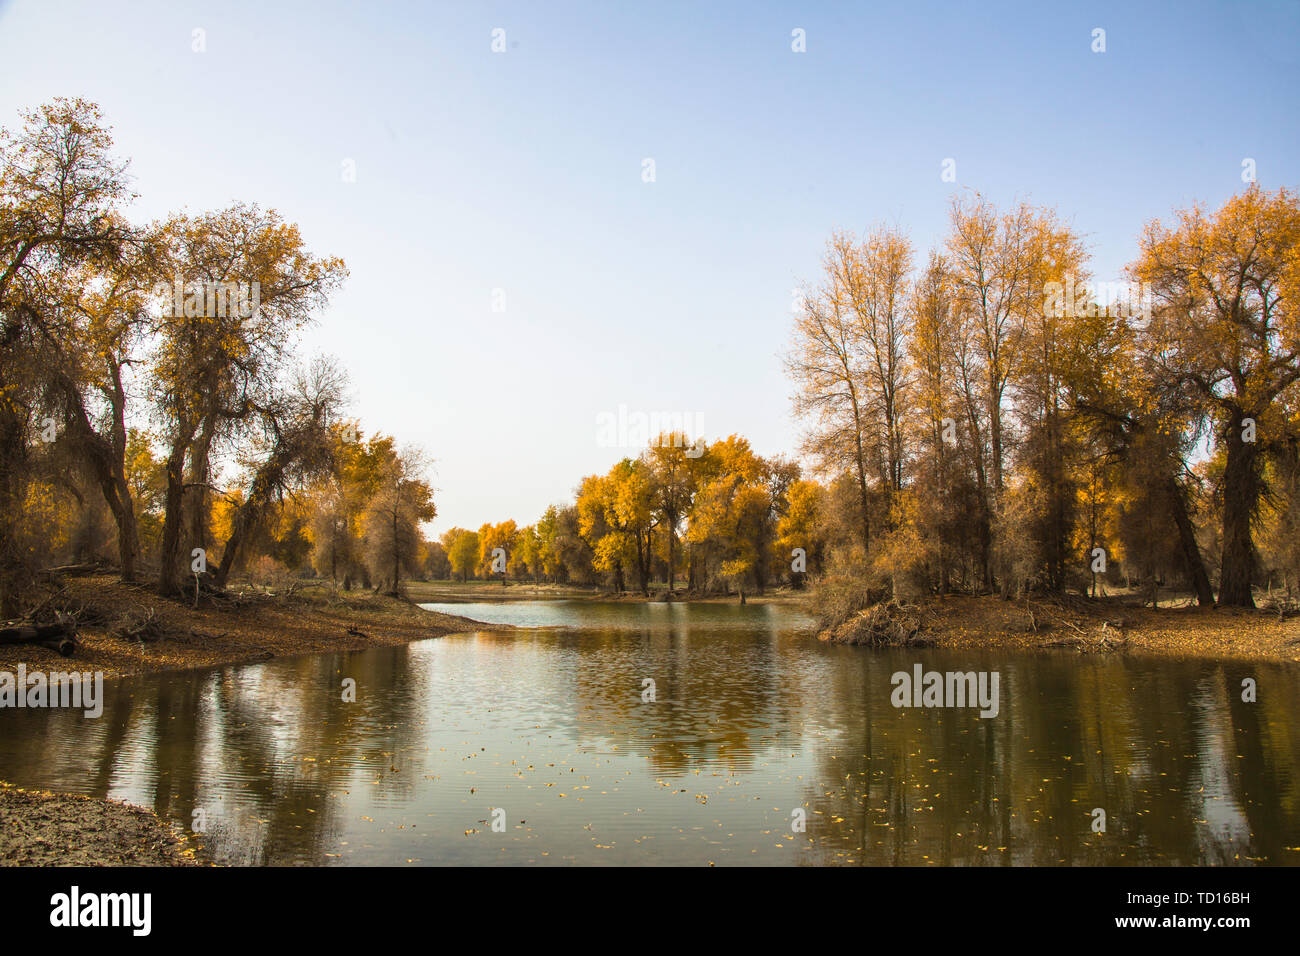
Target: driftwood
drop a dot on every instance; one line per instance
(1110, 636)
(1284, 606)
(140, 627)
(40, 609)
(884, 625)
(72, 570)
(206, 636)
(61, 636)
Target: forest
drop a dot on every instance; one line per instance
(153, 414)
(994, 427)
(976, 420)
(989, 420)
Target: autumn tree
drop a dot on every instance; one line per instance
(876, 275)
(549, 556)
(462, 548)
(60, 196)
(393, 517)
(338, 501)
(294, 446)
(1053, 257)
(491, 537)
(932, 353)
(991, 259)
(673, 487)
(741, 501)
(1137, 433)
(234, 287)
(617, 517)
(802, 530)
(436, 562)
(571, 550)
(105, 319)
(527, 557)
(1225, 321)
(333, 546)
(1279, 535)
(824, 363)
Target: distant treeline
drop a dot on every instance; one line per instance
(707, 517)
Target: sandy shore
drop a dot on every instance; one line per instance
(39, 828)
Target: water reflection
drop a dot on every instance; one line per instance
(751, 720)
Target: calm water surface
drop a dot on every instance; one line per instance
(753, 719)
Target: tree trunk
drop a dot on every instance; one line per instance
(59, 637)
(13, 474)
(984, 515)
(1191, 551)
(672, 536)
(128, 538)
(995, 431)
(196, 496)
(863, 502)
(169, 582)
(1241, 486)
(107, 460)
(862, 477)
(643, 563)
(397, 546)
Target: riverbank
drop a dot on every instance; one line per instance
(234, 630)
(1102, 626)
(40, 828)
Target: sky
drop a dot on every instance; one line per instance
(513, 274)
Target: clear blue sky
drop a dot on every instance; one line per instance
(522, 171)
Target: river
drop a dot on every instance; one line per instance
(622, 733)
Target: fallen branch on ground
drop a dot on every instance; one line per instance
(883, 625)
(141, 627)
(60, 636)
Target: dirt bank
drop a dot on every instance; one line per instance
(1104, 626)
(224, 631)
(39, 828)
